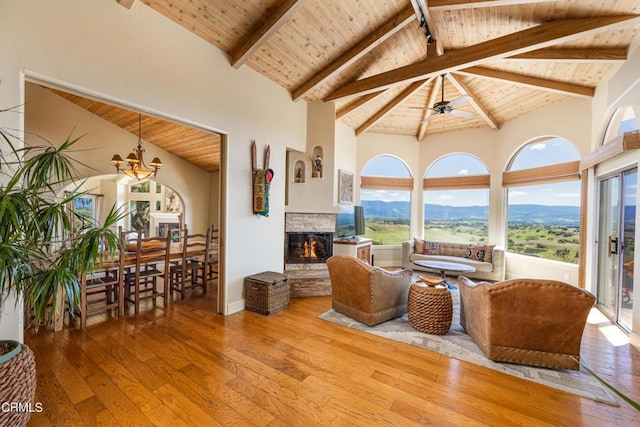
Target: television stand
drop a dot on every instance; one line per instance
(349, 239)
(360, 248)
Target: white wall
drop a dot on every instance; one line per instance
(141, 59)
(346, 150)
(315, 195)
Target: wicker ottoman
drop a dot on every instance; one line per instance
(430, 308)
(267, 293)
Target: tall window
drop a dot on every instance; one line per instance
(543, 196)
(385, 196)
(456, 200)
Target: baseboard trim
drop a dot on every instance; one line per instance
(236, 306)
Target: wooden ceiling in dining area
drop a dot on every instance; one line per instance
(382, 68)
(197, 147)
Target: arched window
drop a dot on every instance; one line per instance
(456, 200)
(623, 120)
(543, 200)
(385, 195)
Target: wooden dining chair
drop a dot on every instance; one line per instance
(184, 275)
(100, 292)
(213, 252)
(151, 262)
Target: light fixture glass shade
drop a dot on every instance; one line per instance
(138, 173)
(135, 166)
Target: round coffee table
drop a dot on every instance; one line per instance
(444, 266)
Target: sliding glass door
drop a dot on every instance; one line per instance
(616, 245)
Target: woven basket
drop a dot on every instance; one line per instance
(430, 309)
(267, 293)
(18, 385)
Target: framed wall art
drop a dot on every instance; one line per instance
(345, 185)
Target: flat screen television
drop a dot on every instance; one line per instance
(350, 222)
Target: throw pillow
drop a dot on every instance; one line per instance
(483, 253)
(475, 253)
(488, 254)
(468, 254)
(419, 245)
(431, 248)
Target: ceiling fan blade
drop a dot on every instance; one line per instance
(459, 101)
(461, 113)
(426, 119)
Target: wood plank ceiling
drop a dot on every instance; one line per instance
(383, 63)
(372, 59)
(197, 147)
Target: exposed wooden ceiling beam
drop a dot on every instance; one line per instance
(353, 106)
(126, 3)
(356, 52)
(413, 87)
(479, 107)
(468, 4)
(259, 37)
(531, 82)
(573, 55)
(433, 96)
(541, 36)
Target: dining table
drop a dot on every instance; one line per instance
(110, 262)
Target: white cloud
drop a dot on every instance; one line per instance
(569, 195)
(518, 193)
(463, 172)
(385, 195)
(539, 146)
(443, 199)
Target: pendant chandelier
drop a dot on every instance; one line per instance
(134, 166)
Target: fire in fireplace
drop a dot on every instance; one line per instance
(308, 247)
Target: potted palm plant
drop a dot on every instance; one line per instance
(41, 251)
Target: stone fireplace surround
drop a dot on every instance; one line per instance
(309, 279)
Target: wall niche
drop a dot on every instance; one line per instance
(300, 172)
(317, 156)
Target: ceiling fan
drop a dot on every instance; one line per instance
(443, 106)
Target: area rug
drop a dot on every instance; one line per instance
(457, 344)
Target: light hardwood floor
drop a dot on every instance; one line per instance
(189, 366)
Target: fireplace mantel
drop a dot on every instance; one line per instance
(310, 222)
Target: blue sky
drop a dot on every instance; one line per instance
(540, 153)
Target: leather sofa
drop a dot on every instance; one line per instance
(526, 321)
(455, 252)
(368, 294)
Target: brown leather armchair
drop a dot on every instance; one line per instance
(366, 293)
(526, 321)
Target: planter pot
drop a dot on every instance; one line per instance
(17, 385)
